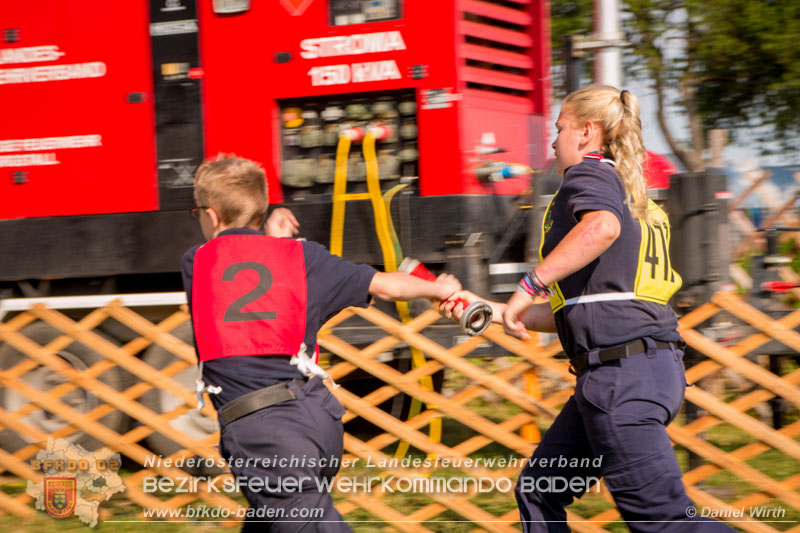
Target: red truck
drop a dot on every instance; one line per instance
(109, 107)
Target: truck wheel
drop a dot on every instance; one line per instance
(43, 378)
(192, 422)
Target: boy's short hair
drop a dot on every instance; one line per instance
(235, 187)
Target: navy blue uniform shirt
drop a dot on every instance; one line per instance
(333, 284)
(590, 186)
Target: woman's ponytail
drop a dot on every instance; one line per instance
(625, 145)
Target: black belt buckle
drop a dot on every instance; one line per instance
(612, 354)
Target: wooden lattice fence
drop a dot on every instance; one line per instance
(484, 408)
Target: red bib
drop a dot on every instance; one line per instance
(248, 296)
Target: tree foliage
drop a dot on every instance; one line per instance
(750, 48)
(731, 64)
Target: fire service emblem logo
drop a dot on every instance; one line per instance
(59, 496)
(74, 481)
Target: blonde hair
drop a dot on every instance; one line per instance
(617, 113)
(235, 187)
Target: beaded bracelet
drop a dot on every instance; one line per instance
(531, 285)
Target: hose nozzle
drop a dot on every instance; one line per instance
(476, 316)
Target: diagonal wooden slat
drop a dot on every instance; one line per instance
(751, 371)
(459, 505)
(349, 439)
(12, 506)
(755, 428)
(107, 435)
(731, 463)
(90, 321)
(133, 347)
(387, 391)
(465, 416)
(750, 315)
(698, 316)
(103, 391)
(747, 523)
(95, 414)
(152, 332)
(474, 513)
(747, 452)
(113, 353)
(742, 403)
(470, 445)
(391, 424)
(539, 357)
(440, 354)
(394, 517)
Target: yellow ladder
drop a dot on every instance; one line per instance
(387, 238)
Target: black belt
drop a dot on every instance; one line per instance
(257, 400)
(612, 354)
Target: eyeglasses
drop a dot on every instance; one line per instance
(195, 212)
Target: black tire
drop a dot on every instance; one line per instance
(43, 378)
(192, 422)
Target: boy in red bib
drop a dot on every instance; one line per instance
(257, 303)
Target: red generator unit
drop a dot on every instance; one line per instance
(110, 107)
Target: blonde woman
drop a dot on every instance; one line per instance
(606, 272)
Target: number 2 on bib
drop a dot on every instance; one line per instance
(234, 311)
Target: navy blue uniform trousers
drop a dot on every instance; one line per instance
(617, 417)
(306, 429)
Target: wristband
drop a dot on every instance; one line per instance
(540, 284)
(531, 285)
